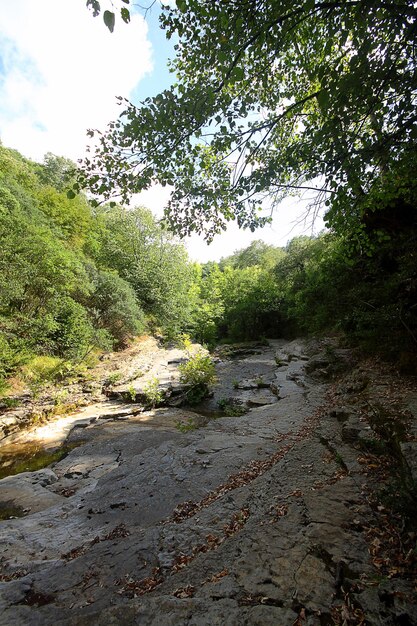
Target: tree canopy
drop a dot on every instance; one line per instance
(75, 279)
(270, 98)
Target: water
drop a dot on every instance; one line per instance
(30, 457)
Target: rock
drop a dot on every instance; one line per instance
(29, 490)
(340, 413)
(249, 520)
(287, 388)
(318, 365)
(43, 477)
(254, 383)
(261, 399)
(351, 433)
(409, 452)
(247, 384)
(314, 583)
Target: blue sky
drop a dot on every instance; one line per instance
(60, 72)
(163, 49)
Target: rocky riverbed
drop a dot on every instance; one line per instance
(273, 516)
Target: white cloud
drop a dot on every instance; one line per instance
(155, 198)
(61, 72)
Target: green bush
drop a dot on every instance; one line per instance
(74, 333)
(199, 373)
(115, 307)
(12, 356)
(152, 394)
(198, 369)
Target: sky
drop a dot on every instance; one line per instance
(60, 73)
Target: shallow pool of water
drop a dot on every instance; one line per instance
(30, 457)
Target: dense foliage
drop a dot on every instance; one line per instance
(316, 287)
(271, 97)
(73, 278)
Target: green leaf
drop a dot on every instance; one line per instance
(182, 5)
(237, 75)
(70, 194)
(323, 99)
(94, 5)
(125, 15)
(109, 20)
(223, 56)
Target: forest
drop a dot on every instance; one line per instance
(77, 279)
(231, 442)
(317, 96)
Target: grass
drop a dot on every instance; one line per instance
(186, 427)
(231, 407)
(131, 392)
(152, 394)
(10, 403)
(113, 378)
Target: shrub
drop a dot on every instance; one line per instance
(186, 427)
(41, 370)
(115, 307)
(152, 394)
(11, 357)
(184, 341)
(199, 373)
(131, 391)
(74, 333)
(112, 379)
(199, 369)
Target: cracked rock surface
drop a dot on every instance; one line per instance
(259, 519)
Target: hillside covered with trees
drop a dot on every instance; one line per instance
(271, 98)
(78, 279)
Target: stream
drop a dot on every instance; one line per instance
(246, 377)
(241, 511)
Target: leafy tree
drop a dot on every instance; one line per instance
(257, 253)
(35, 268)
(147, 256)
(208, 304)
(72, 333)
(53, 301)
(251, 303)
(56, 171)
(269, 97)
(71, 218)
(114, 307)
(314, 279)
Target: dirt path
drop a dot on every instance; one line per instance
(263, 518)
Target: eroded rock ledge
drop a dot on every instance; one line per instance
(264, 518)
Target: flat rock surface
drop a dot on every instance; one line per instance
(258, 519)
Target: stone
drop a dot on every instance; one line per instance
(247, 520)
